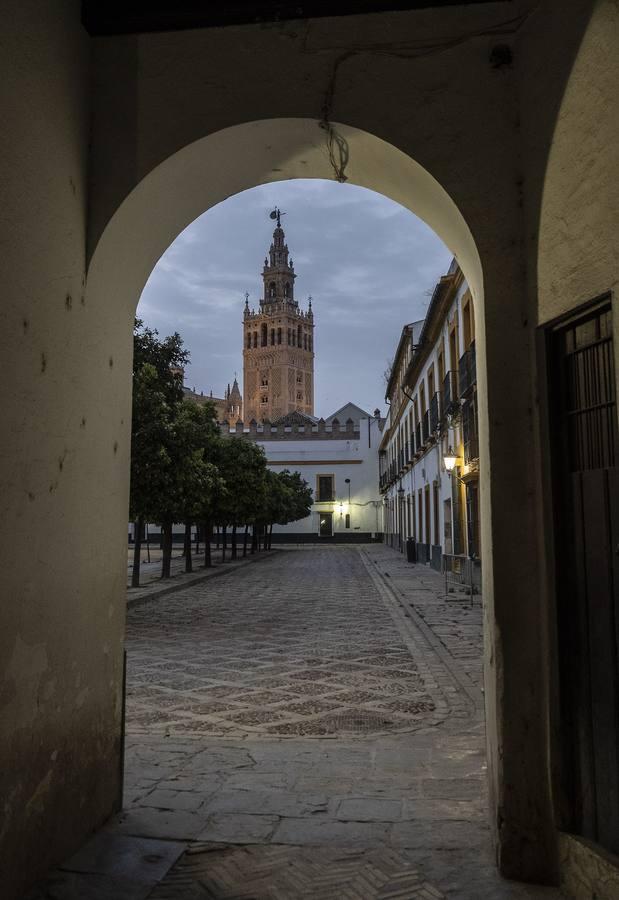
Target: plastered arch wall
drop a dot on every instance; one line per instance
(88, 124)
(240, 157)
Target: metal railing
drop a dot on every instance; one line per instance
(470, 438)
(425, 427)
(467, 370)
(462, 574)
(435, 411)
(450, 393)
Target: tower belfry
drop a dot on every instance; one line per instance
(278, 341)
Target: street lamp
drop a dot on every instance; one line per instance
(451, 461)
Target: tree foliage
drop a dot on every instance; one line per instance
(183, 470)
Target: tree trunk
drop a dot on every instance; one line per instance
(217, 538)
(233, 543)
(137, 552)
(208, 534)
(188, 560)
(245, 541)
(224, 543)
(270, 535)
(266, 537)
(166, 542)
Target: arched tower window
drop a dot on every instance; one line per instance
(272, 336)
(299, 339)
(305, 342)
(272, 289)
(263, 335)
(279, 335)
(287, 289)
(248, 339)
(255, 338)
(294, 338)
(289, 341)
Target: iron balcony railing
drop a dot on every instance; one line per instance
(467, 370)
(450, 393)
(435, 411)
(425, 426)
(470, 438)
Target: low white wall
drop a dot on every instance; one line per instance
(355, 458)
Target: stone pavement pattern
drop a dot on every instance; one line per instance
(236, 765)
(308, 651)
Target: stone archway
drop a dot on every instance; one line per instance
(89, 123)
(207, 171)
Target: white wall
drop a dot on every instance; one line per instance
(356, 459)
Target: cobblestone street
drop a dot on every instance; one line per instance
(311, 727)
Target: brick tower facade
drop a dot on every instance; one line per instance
(278, 342)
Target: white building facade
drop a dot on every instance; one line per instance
(432, 513)
(339, 461)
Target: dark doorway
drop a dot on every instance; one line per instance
(326, 524)
(586, 503)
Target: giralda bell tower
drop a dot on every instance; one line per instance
(278, 342)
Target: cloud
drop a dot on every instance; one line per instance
(366, 261)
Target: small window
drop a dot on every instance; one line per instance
(299, 378)
(279, 335)
(248, 340)
(264, 399)
(305, 342)
(272, 336)
(289, 341)
(255, 338)
(264, 335)
(299, 395)
(326, 487)
(264, 381)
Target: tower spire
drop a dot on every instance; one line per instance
(280, 379)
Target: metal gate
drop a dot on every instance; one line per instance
(586, 499)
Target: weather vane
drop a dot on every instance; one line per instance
(276, 214)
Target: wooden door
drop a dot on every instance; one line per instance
(586, 496)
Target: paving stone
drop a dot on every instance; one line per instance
(324, 720)
(124, 856)
(344, 834)
(239, 828)
(165, 823)
(369, 809)
(279, 803)
(88, 886)
(171, 799)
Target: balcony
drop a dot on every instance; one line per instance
(470, 438)
(450, 393)
(467, 371)
(435, 412)
(425, 427)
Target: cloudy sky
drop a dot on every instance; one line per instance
(368, 263)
